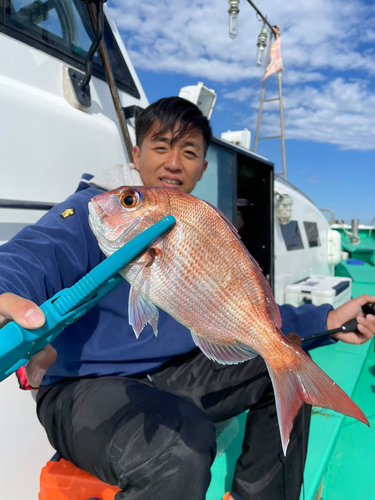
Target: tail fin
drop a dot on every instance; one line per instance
(306, 382)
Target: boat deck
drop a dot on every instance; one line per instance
(348, 366)
(340, 453)
(350, 473)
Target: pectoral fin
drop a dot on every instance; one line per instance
(224, 353)
(148, 258)
(142, 311)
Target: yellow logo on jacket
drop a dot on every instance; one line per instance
(67, 213)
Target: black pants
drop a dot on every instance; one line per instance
(153, 436)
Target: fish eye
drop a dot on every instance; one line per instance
(129, 200)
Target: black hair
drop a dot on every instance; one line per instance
(166, 113)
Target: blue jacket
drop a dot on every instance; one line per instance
(55, 253)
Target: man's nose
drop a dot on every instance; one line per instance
(173, 161)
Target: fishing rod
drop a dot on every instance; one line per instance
(349, 326)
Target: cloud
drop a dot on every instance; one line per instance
(314, 179)
(241, 94)
(199, 67)
(191, 36)
(368, 36)
(327, 50)
(340, 113)
(293, 77)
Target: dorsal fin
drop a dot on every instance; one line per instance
(271, 304)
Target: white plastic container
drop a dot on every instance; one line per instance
(318, 290)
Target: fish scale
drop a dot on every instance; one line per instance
(202, 275)
(200, 298)
(184, 260)
(229, 294)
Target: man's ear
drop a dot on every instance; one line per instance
(205, 163)
(136, 151)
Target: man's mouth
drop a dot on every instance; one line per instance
(174, 182)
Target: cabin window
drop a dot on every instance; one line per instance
(63, 29)
(292, 235)
(312, 234)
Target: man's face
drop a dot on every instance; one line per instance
(162, 162)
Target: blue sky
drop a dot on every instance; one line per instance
(327, 48)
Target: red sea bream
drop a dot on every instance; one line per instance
(202, 275)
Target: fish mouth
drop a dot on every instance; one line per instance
(107, 245)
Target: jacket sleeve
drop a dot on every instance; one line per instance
(306, 320)
(53, 253)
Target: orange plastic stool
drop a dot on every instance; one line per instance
(61, 480)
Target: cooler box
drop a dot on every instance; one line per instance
(61, 480)
(318, 290)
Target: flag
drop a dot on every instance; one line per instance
(276, 63)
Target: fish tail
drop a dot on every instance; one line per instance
(306, 382)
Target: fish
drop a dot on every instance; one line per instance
(201, 274)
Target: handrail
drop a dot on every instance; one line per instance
(26, 205)
(108, 71)
(331, 212)
(280, 178)
(370, 233)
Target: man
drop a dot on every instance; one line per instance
(140, 413)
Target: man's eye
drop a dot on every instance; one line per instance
(190, 153)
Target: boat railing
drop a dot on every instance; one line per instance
(26, 205)
(281, 179)
(371, 224)
(332, 220)
(11, 228)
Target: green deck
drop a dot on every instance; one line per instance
(365, 250)
(346, 365)
(350, 474)
(336, 443)
(363, 276)
(340, 451)
(229, 442)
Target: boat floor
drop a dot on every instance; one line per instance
(339, 463)
(351, 469)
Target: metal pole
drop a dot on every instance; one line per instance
(282, 123)
(262, 96)
(262, 16)
(112, 86)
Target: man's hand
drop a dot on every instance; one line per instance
(352, 309)
(28, 315)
